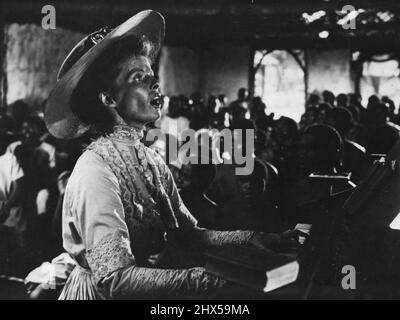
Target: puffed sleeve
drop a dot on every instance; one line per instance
(99, 217)
(100, 222)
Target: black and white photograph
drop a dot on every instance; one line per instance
(201, 156)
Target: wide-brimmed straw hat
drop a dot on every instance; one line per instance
(59, 117)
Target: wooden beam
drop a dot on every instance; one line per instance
(3, 63)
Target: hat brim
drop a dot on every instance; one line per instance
(60, 120)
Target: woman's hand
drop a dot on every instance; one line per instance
(290, 241)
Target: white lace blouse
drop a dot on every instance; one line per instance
(119, 204)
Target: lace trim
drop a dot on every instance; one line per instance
(122, 132)
(111, 253)
(228, 237)
(137, 205)
(134, 210)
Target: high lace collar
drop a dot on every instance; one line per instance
(126, 133)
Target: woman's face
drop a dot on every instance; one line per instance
(137, 92)
(30, 133)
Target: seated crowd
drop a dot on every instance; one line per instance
(336, 134)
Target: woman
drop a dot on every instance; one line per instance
(121, 205)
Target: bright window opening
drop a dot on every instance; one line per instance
(382, 79)
(279, 81)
